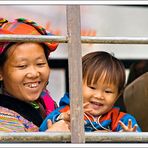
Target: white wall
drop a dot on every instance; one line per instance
(106, 20)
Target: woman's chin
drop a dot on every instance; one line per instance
(31, 98)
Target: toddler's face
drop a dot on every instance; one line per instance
(100, 96)
(26, 71)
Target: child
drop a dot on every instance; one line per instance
(103, 83)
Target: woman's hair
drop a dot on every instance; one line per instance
(102, 65)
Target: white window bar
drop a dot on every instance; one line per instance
(84, 39)
(65, 137)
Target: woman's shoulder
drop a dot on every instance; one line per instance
(11, 121)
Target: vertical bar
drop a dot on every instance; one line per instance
(75, 73)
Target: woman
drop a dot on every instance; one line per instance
(24, 74)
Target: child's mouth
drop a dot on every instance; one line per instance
(95, 105)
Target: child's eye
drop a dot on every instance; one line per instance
(108, 91)
(92, 87)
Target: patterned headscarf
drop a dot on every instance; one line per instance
(25, 27)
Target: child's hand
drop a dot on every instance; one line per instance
(129, 127)
(66, 115)
(86, 109)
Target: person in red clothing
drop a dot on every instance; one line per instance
(24, 74)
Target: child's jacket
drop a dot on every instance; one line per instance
(108, 121)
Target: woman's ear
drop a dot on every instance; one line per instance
(1, 76)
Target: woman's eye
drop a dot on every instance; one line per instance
(41, 64)
(21, 66)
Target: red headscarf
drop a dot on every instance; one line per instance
(24, 27)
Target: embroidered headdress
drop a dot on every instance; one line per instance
(25, 27)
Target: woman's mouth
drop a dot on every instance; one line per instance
(32, 84)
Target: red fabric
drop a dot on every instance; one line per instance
(24, 27)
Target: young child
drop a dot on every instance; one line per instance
(103, 83)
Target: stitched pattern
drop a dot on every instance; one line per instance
(11, 121)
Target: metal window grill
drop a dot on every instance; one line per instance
(74, 40)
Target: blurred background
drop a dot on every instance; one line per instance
(96, 20)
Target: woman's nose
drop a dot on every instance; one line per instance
(33, 72)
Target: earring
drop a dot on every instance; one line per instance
(47, 82)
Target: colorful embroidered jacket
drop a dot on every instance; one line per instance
(19, 116)
(108, 121)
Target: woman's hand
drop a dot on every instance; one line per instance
(64, 116)
(129, 127)
(59, 126)
(64, 121)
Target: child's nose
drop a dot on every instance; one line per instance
(99, 95)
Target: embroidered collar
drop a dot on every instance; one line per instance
(24, 109)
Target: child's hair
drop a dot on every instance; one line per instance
(102, 65)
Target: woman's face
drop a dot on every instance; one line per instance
(26, 71)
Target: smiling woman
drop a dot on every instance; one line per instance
(24, 74)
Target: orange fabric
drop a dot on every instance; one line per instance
(24, 27)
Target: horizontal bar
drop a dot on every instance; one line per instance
(91, 137)
(114, 137)
(114, 40)
(84, 39)
(33, 38)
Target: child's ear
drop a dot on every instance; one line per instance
(120, 93)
